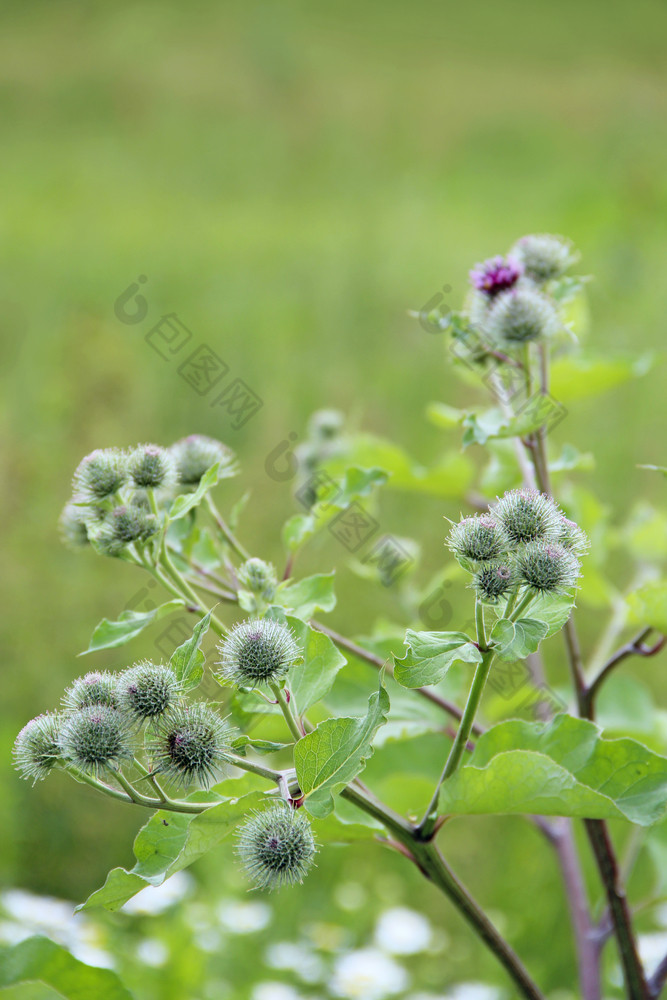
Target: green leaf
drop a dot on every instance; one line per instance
(648, 604)
(108, 634)
(515, 640)
(305, 597)
(297, 530)
(442, 415)
(314, 676)
(204, 551)
(327, 759)
(576, 377)
(563, 768)
(37, 959)
(554, 611)
(187, 661)
(482, 427)
(654, 468)
(450, 477)
(358, 483)
(430, 655)
(345, 825)
(242, 744)
(186, 501)
(168, 843)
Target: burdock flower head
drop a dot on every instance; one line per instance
(493, 581)
(146, 690)
(528, 515)
(276, 847)
(257, 651)
(191, 743)
(545, 257)
(573, 537)
(96, 737)
(95, 688)
(152, 467)
(37, 747)
(100, 475)
(496, 275)
(548, 567)
(478, 538)
(324, 425)
(194, 455)
(123, 526)
(519, 316)
(259, 577)
(73, 525)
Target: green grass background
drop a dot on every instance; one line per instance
(292, 178)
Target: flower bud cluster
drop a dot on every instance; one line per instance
(99, 728)
(514, 300)
(116, 493)
(524, 541)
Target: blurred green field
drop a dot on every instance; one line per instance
(291, 179)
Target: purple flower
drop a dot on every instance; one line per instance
(496, 275)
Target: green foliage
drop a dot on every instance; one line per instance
(304, 598)
(109, 634)
(648, 604)
(187, 661)
(311, 679)
(170, 842)
(185, 503)
(516, 640)
(40, 960)
(307, 692)
(327, 759)
(430, 655)
(564, 768)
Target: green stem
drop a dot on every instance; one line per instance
(523, 604)
(511, 601)
(100, 786)
(479, 624)
(433, 866)
(188, 592)
(226, 531)
(286, 709)
(427, 825)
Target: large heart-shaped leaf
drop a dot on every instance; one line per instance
(169, 842)
(563, 768)
(430, 655)
(109, 634)
(327, 759)
(37, 959)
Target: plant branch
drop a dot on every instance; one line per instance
(427, 825)
(225, 530)
(635, 647)
(587, 943)
(598, 834)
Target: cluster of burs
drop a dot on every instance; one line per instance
(115, 493)
(512, 301)
(524, 542)
(108, 720)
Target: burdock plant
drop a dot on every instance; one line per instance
(283, 697)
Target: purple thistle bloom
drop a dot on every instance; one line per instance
(496, 275)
